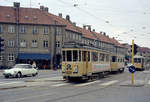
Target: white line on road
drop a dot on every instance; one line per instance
(85, 84)
(109, 83)
(58, 85)
(149, 82)
(7, 83)
(31, 97)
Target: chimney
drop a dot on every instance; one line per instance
(74, 23)
(60, 15)
(68, 18)
(84, 26)
(89, 28)
(16, 4)
(104, 33)
(46, 9)
(42, 8)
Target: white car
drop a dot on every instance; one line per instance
(20, 70)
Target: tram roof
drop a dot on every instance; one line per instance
(81, 46)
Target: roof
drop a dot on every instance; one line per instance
(102, 37)
(26, 16)
(69, 25)
(116, 43)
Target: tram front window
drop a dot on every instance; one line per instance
(69, 55)
(75, 55)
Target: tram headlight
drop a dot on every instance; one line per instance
(75, 69)
(63, 69)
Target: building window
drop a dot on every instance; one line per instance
(45, 44)
(22, 29)
(11, 57)
(11, 28)
(46, 30)
(35, 30)
(22, 43)
(34, 43)
(11, 43)
(58, 31)
(1, 57)
(1, 28)
(57, 43)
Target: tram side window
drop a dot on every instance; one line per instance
(135, 60)
(75, 55)
(94, 56)
(107, 58)
(84, 56)
(114, 58)
(69, 55)
(64, 56)
(102, 57)
(139, 60)
(79, 55)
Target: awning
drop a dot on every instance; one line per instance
(36, 56)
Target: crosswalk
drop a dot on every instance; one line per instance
(61, 83)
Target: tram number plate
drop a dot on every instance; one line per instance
(68, 72)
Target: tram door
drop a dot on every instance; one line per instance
(85, 59)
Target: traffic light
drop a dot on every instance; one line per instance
(1, 44)
(135, 49)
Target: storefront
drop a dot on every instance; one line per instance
(42, 60)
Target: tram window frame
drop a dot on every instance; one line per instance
(75, 55)
(79, 52)
(94, 56)
(101, 57)
(139, 60)
(114, 58)
(69, 57)
(64, 55)
(135, 60)
(84, 56)
(107, 58)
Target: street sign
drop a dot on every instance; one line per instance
(132, 69)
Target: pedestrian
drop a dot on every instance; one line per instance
(34, 64)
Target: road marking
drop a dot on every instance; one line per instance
(7, 83)
(109, 83)
(85, 84)
(31, 97)
(149, 82)
(58, 85)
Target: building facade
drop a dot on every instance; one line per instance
(32, 34)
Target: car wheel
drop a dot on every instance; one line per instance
(19, 75)
(34, 74)
(6, 76)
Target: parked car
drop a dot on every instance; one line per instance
(20, 70)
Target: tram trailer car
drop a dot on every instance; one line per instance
(117, 63)
(86, 63)
(139, 62)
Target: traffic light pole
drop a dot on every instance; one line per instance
(132, 75)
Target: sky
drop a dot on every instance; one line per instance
(126, 20)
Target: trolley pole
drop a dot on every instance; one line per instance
(132, 75)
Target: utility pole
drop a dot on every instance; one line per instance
(132, 75)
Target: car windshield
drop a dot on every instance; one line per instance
(20, 66)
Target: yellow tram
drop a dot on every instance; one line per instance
(86, 62)
(139, 62)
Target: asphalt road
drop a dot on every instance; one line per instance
(51, 88)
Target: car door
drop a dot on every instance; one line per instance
(31, 70)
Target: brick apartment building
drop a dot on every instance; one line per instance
(32, 34)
